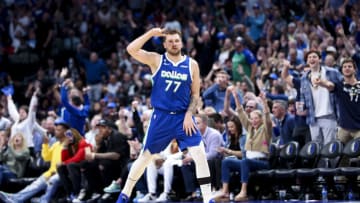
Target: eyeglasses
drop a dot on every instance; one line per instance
(251, 107)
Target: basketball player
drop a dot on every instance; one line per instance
(175, 93)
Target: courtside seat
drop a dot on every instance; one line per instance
(263, 179)
(288, 160)
(307, 173)
(284, 177)
(351, 153)
(331, 153)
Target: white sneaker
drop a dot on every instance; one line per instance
(147, 198)
(163, 197)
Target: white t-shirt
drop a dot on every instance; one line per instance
(321, 98)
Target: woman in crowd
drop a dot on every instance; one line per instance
(259, 128)
(14, 155)
(73, 151)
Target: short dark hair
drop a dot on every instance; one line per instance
(216, 117)
(311, 52)
(25, 108)
(348, 60)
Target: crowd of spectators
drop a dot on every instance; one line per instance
(242, 47)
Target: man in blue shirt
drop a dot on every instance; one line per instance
(215, 94)
(96, 71)
(284, 121)
(74, 111)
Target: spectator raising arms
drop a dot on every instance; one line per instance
(25, 120)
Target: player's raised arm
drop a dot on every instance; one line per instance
(152, 59)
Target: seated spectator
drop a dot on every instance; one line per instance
(259, 128)
(163, 163)
(90, 135)
(233, 151)
(285, 123)
(104, 164)
(13, 156)
(73, 151)
(212, 140)
(49, 180)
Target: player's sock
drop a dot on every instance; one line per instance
(202, 171)
(137, 169)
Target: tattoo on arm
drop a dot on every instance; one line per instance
(193, 104)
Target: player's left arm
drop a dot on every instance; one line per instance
(189, 125)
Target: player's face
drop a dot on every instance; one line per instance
(173, 44)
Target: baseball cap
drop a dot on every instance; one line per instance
(292, 24)
(273, 76)
(330, 49)
(107, 123)
(62, 122)
(111, 105)
(256, 5)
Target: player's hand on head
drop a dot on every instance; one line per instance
(160, 32)
(189, 125)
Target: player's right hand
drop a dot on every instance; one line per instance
(189, 125)
(159, 32)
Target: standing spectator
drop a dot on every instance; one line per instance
(301, 131)
(319, 103)
(245, 58)
(24, 120)
(96, 73)
(348, 95)
(44, 35)
(5, 123)
(74, 111)
(214, 95)
(205, 43)
(255, 23)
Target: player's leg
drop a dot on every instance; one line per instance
(156, 140)
(136, 171)
(202, 171)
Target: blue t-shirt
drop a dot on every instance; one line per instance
(172, 85)
(348, 98)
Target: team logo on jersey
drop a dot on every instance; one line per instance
(183, 66)
(173, 75)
